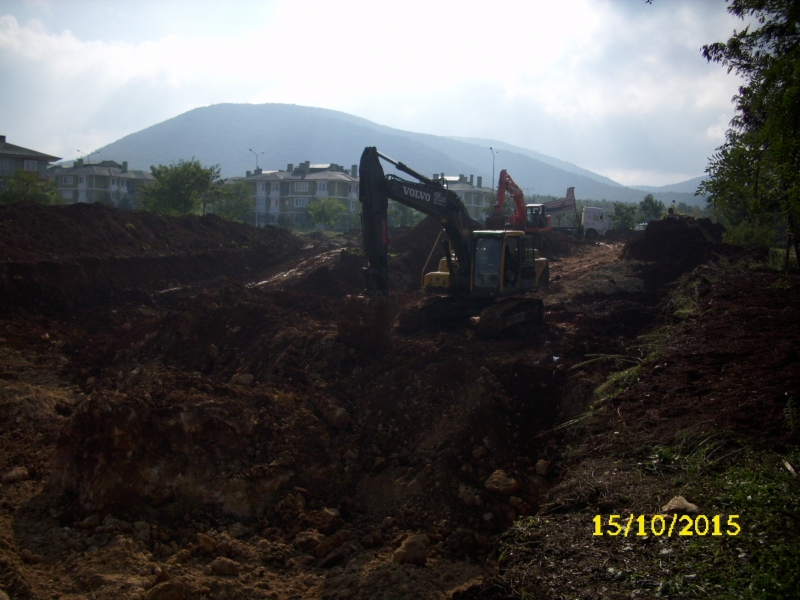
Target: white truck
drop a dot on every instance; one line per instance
(594, 222)
(564, 214)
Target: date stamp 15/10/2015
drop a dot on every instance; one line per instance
(667, 525)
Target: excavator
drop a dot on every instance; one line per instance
(531, 218)
(483, 273)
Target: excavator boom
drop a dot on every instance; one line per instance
(427, 196)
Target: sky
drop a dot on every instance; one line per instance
(618, 87)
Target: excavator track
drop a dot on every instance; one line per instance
(511, 314)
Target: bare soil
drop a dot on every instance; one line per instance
(185, 422)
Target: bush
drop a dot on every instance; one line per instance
(749, 235)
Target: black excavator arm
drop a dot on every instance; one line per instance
(427, 196)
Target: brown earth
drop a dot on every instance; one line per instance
(188, 436)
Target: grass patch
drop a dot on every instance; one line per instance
(762, 560)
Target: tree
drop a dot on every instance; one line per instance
(24, 186)
(234, 202)
(624, 216)
(403, 216)
(325, 211)
(757, 170)
(180, 189)
(650, 209)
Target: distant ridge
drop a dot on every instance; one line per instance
(684, 187)
(286, 133)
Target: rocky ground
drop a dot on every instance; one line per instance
(181, 420)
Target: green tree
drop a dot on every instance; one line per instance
(650, 209)
(624, 216)
(24, 186)
(325, 211)
(233, 202)
(757, 170)
(181, 189)
(403, 216)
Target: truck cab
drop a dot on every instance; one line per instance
(594, 222)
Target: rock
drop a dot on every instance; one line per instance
(4, 596)
(237, 530)
(380, 464)
(467, 494)
(350, 455)
(520, 505)
(679, 504)
(542, 467)
(30, 557)
(168, 590)
(307, 541)
(414, 551)
(75, 545)
(142, 531)
(212, 352)
(330, 544)
(479, 452)
(166, 550)
(537, 486)
(501, 483)
(16, 474)
(335, 415)
(225, 566)
(206, 542)
(245, 379)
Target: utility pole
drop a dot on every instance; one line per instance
(494, 153)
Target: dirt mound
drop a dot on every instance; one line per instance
(33, 232)
(56, 256)
(673, 240)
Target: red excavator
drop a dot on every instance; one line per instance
(531, 218)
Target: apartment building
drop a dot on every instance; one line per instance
(474, 196)
(106, 181)
(16, 158)
(282, 197)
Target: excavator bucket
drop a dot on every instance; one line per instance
(365, 322)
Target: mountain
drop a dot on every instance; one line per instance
(286, 133)
(548, 160)
(684, 187)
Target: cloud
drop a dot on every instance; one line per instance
(614, 86)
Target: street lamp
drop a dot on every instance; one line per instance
(256, 155)
(494, 153)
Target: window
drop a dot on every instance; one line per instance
(80, 179)
(276, 186)
(113, 182)
(67, 180)
(275, 202)
(300, 202)
(353, 189)
(263, 187)
(487, 263)
(3, 165)
(66, 194)
(301, 186)
(322, 186)
(31, 165)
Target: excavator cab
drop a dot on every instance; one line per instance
(505, 263)
(536, 217)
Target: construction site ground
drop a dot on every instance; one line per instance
(180, 419)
